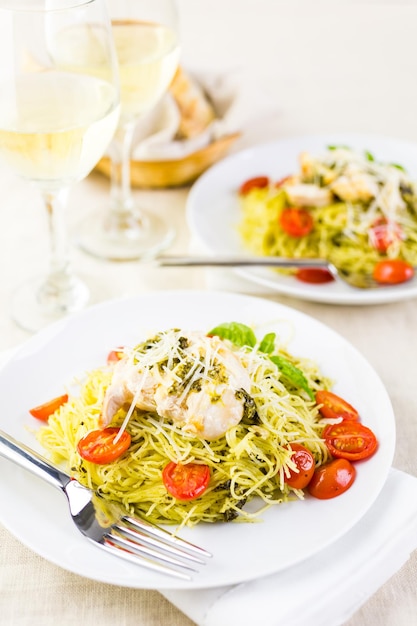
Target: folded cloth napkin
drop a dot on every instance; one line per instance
(326, 589)
(237, 102)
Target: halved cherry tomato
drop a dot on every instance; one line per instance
(258, 182)
(296, 221)
(115, 355)
(186, 482)
(333, 406)
(393, 271)
(350, 440)
(332, 479)
(44, 411)
(314, 275)
(99, 446)
(281, 182)
(305, 463)
(382, 234)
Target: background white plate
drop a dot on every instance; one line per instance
(213, 211)
(37, 514)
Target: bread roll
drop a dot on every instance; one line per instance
(195, 109)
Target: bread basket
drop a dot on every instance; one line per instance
(195, 115)
(176, 172)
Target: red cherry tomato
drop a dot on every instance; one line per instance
(281, 182)
(99, 446)
(350, 440)
(258, 182)
(393, 271)
(186, 482)
(334, 406)
(305, 463)
(332, 479)
(115, 355)
(296, 221)
(314, 275)
(44, 411)
(382, 234)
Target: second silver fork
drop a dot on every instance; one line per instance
(358, 280)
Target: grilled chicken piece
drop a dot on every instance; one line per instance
(355, 185)
(307, 194)
(196, 382)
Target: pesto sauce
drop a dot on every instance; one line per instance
(217, 374)
(250, 413)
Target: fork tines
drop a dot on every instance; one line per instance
(144, 543)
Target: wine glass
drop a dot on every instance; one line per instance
(147, 45)
(59, 108)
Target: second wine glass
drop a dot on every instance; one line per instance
(147, 45)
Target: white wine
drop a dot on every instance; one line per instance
(55, 126)
(148, 56)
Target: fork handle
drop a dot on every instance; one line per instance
(30, 460)
(237, 261)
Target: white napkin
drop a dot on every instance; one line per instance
(237, 101)
(327, 589)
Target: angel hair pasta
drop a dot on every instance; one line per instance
(342, 206)
(224, 401)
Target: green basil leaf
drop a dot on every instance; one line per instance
(239, 334)
(369, 156)
(267, 344)
(292, 373)
(341, 147)
(398, 166)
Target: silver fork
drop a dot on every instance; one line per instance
(107, 524)
(358, 280)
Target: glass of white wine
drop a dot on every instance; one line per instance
(147, 44)
(59, 109)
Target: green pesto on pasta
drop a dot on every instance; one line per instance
(362, 212)
(247, 463)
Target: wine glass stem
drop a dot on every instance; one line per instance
(59, 280)
(121, 190)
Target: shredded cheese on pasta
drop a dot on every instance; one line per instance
(362, 194)
(248, 464)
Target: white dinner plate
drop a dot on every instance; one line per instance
(37, 514)
(213, 211)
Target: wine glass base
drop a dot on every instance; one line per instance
(126, 237)
(35, 305)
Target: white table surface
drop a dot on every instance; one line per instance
(326, 67)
